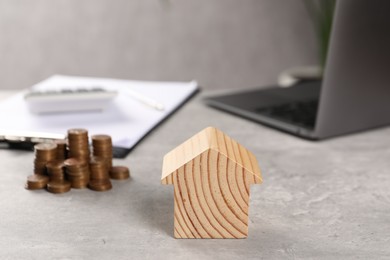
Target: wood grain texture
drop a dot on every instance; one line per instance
(211, 189)
(209, 138)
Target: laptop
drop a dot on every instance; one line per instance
(354, 94)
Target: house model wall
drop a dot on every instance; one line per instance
(211, 174)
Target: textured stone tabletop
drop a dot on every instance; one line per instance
(319, 200)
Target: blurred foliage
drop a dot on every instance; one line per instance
(321, 13)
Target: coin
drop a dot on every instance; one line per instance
(45, 151)
(74, 163)
(40, 167)
(99, 139)
(61, 150)
(98, 170)
(55, 165)
(77, 131)
(77, 172)
(102, 147)
(58, 186)
(55, 170)
(100, 186)
(119, 172)
(100, 179)
(79, 183)
(45, 146)
(78, 144)
(36, 181)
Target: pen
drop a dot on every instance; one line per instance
(26, 140)
(144, 99)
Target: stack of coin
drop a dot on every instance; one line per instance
(77, 172)
(58, 186)
(119, 172)
(36, 181)
(68, 164)
(44, 153)
(102, 147)
(100, 179)
(55, 170)
(78, 144)
(61, 149)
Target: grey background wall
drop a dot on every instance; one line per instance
(222, 44)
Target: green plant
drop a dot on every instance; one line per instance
(321, 13)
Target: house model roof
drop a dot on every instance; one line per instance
(210, 138)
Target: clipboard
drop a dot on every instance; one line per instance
(126, 120)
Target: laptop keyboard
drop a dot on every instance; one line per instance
(301, 113)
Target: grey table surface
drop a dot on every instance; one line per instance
(319, 200)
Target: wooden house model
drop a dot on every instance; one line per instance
(211, 174)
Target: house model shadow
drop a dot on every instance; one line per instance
(211, 174)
